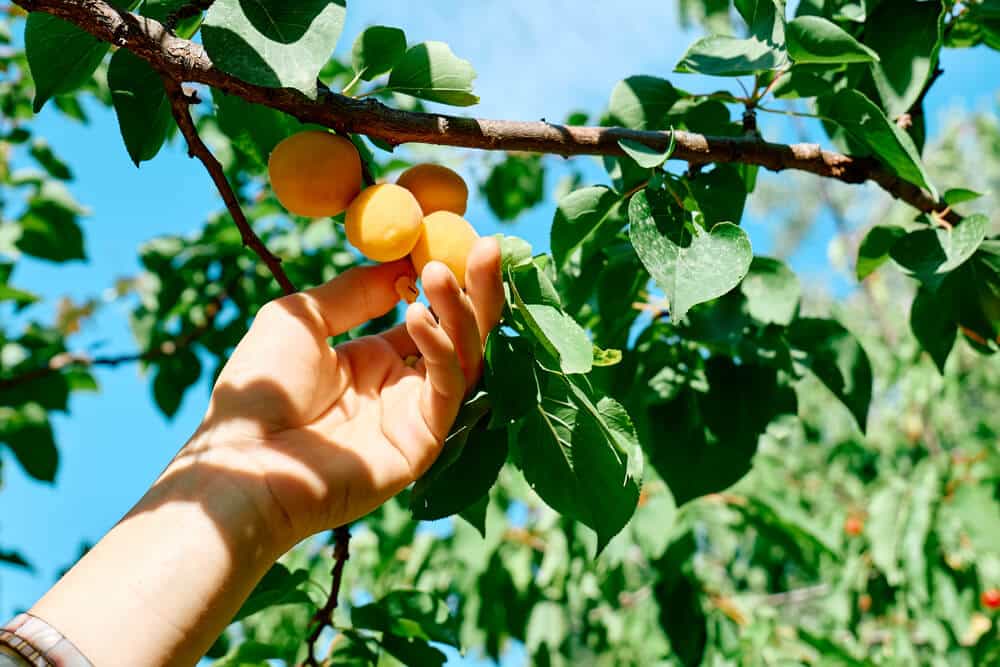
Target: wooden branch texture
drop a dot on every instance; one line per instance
(179, 105)
(184, 60)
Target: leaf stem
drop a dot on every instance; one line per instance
(346, 90)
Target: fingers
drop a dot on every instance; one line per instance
(444, 387)
(401, 341)
(484, 284)
(356, 296)
(456, 316)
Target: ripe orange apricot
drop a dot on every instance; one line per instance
(315, 173)
(437, 188)
(446, 238)
(383, 222)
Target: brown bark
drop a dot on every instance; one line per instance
(183, 60)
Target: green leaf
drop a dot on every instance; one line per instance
(573, 459)
(413, 652)
(534, 282)
(975, 506)
(720, 55)
(642, 102)
(458, 479)
(679, 599)
(353, 649)
(18, 296)
(432, 72)
(377, 50)
(720, 194)
(930, 253)
(708, 266)
(907, 37)
(646, 157)
(160, 10)
(812, 39)
(279, 586)
(619, 287)
(875, 247)
(932, 324)
(250, 653)
(802, 81)
(61, 56)
(15, 559)
(273, 42)
(609, 357)
(141, 105)
(44, 155)
(409, 613)
(765, 19)
(837, 359)
(475, 514)
(514, 252)
(781, 522)
(49, 230)
(28, 435)
(956, 196)
(253, 128)
(547, 626)
(866, 123)
(570, 342)
(582, 220)
(515, 185)
(772, 291)
(174, 375)
(703, 440)
(510, 376)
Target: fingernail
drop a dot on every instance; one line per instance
(406, 288)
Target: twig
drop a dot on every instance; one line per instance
(180, 105)
(184, 60)
(797, 595)
(917, 106)
(164, 349)
(324, 615)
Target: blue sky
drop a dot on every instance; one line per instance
(534, 59)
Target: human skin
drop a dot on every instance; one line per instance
(299, 437)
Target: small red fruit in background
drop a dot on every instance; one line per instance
(854, 525)
(990, 598)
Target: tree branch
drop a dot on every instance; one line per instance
(180, 105)
(164, 349)
(184, 60)
(324, 615)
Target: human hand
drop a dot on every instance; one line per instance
(319, 436)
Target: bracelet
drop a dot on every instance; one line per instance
(39, 644)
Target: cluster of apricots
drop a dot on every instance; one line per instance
(318, 174)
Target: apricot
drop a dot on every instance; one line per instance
(437, 188)
(315, 173)
(383, 222)
(447, 238)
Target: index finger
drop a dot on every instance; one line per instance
(357, 295)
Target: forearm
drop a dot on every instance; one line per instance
(166, 580)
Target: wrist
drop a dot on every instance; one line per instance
(173, 572)
(223, 478)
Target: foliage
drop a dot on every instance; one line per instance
(669, 434)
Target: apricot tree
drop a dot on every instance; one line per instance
(640, 364)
